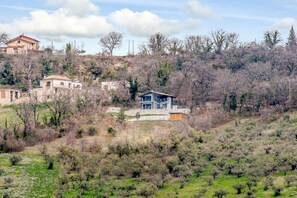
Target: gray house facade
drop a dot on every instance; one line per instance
(156, 100)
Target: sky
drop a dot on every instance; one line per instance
(84, 22)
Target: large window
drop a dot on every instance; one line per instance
(147, 98)
(146, 106)
(48, 83)
(161, 99)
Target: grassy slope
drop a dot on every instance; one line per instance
(7, 115)
(31, 178)
(222, 182)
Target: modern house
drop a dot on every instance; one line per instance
(54, 83)
(156, 100)
(9, 96)
(20, 45)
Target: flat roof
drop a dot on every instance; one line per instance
(56, 77)
(156, 92)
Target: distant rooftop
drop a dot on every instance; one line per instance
(22, 37)
(56, 77)
(159, 93)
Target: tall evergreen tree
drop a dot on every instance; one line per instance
(292, 40)
(133, 89)
(272, 38)
(6, 76)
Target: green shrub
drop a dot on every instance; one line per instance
(182, 185)
(286, 118)
(209, 180)
(214, 172)
(1, 171)
(111, 131)
(220, 193)
(200, 194)
(171, 163)
(268, 182)
(181, 171)
(7, 182)
(79, 133)
(50, 163)
(290, 179)
(249, 194)
(14, 160)
(146, 190)
(62, 132)
(6, 195)
(121, 117)
(92, 131)
(239, 188)
(277, 190)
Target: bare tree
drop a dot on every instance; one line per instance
(201, 85)
(175, 46)
(222, 40)
(111, 41)
(89, 101)
(24, 112)
(197, 44)
(157, 43)
(143, 49)
(28, 67)
(227, 88)
(59, 106)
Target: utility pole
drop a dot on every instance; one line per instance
(133, 47)
(129, 47)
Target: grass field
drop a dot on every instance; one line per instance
(8, 116)
(29, 178)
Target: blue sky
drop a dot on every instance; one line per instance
(86, 21)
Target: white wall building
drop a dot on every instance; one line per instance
(54, 83)
(9, 96)
(114, 85)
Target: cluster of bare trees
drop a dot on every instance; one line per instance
(200, 69)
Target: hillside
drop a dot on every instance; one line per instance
(165, 159)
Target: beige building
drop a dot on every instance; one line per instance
(54, 83)
(114, 85)
(20, 45)
(9, 96)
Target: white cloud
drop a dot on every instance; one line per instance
(80, 18)
(76, 7)
(285, 23)
(58, 24)
(196, 9)
(145, 23)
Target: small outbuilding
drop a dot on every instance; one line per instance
(9, 95)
